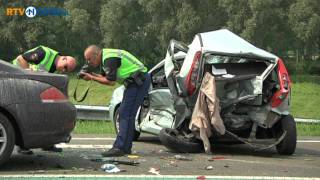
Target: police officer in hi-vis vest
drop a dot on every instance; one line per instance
(122, 67)
(45, 59)
(42, 58)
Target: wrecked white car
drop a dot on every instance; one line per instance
(252, 85)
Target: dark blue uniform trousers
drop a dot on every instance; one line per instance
(132, 99)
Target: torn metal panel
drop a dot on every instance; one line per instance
(257, 84)
(283, 108)
(160, 112)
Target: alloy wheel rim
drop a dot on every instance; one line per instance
(3, 139)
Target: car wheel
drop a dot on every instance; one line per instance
(7, 138)
(116, 119)
(288, 145)
(175, 142)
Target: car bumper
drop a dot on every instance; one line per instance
(44, 124)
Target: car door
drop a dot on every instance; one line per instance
(158, 110)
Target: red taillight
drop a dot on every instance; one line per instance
(52, 95)
(193, 73)
(285, 84)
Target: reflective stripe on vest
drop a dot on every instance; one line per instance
(129, 63)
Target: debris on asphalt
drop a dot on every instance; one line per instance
(183, 158)
(133, 156)
(173, 163)
(154, 171)
(81, 169)
(126, 162)
(102, 159)
(84, 156)
(226, 166)
(209, 167)
(38, 172)
(217, 158)
(201, 177)
(78, 169)
(111, 168)
(115, 161)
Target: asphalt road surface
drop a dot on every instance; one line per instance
(81, 158)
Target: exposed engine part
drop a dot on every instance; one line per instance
(236, 121)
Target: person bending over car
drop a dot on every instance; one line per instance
(122, 67)
(45, 59)
(42, 58)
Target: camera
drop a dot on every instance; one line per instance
(85, 69)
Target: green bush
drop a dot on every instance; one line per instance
(314, 68)
(301, 78)
(290, 66)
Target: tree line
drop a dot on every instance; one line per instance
(288, 28)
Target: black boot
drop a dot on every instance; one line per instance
(113, 152)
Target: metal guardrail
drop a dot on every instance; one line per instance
(92, 112)
(102, 113)
(301, 120)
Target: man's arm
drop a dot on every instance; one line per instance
(34, 56)
(110, 77)
(99, 78)
(22, 62)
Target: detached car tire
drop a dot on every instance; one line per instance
(288, 145)
(171, 139)
(7, 139)
(116, 121)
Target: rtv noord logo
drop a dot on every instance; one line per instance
(32, 11)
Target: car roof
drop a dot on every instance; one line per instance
(225, 41)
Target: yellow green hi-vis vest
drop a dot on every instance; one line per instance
(47, 61)
(129, 63)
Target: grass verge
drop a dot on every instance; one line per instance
(305, 100)
(94, 127)
(308, 129)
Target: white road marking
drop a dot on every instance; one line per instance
(93, 138)
(244, 161)
(157, 177)
(83, 146)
